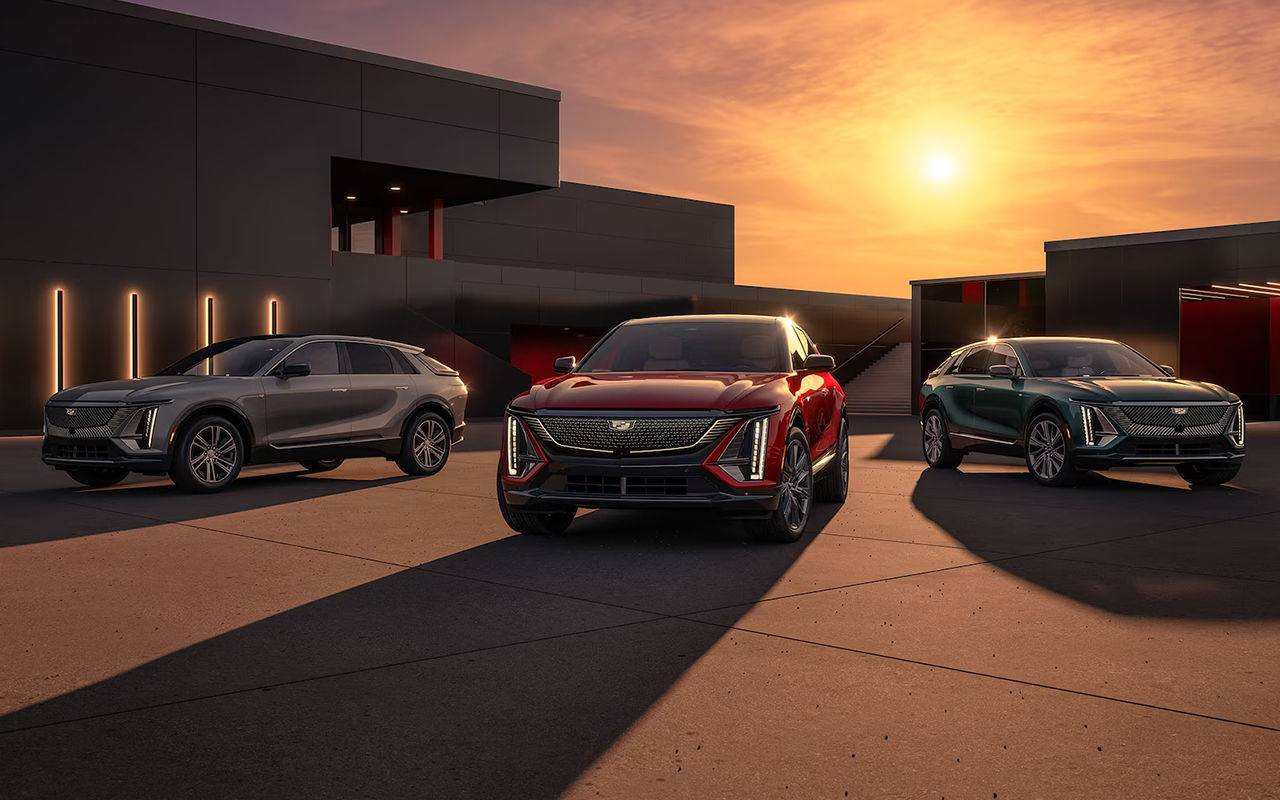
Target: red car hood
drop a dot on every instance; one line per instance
(658, 391)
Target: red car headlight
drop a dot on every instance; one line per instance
(743, 458)
(521, 455)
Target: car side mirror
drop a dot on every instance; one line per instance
(565, 364)
(1002, 371)
(295, 370)
(1168, 370)
(817, 362)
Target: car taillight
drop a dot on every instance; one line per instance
(522, 456)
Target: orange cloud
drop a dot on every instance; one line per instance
(816, 119)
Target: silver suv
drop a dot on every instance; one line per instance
(315, 400)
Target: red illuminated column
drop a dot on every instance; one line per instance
(391, 233)
(435, 229)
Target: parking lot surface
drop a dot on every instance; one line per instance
(359, 633)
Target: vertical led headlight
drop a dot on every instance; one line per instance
(1236, 430)
(1096, 426)
(759, 435)
(523, 455)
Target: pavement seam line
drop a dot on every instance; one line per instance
(989, 676)
(1037, 554)
(326, 676)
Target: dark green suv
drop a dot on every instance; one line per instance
(1069, 405)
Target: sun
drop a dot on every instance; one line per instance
(940, 167)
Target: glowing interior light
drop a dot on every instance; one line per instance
(404, 211)
(351, 197)
(394, 188)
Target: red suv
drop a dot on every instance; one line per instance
(729, 412)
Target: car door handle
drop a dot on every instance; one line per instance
(402, 387)
(981, 388)
(338, 389)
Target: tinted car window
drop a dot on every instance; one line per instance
(689, 346)
(1003, 354)
(975, 362)
(401, 362)
(796, 348)
(240, 358)
(805, 341)
(368, 359)
(322, 356)
(1080, 358)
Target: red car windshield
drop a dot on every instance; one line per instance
(702, 346)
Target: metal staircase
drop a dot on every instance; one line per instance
(885, 386)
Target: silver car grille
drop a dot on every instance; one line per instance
(1162, 420)
(628, 434)
(86, 421)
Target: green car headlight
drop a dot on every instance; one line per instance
(1097, 426)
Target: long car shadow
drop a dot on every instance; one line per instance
(1118, 543)
(410, 686)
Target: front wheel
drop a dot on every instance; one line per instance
(1049, 458)
(426, 444)
(208, 456)
(1208, 475)
(795, 495)
(534, 523)
(97, 477)
(935, 440)
(833, 485)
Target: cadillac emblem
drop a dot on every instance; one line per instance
(71, 412)
(1178, 411)
(621, 425)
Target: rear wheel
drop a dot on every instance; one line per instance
(97, 477)
(833, 485)
(936, 441)
(1208, 475)
(535, 523)
(321, 464)
(425, 448)
(208, 455)
(795, 495)
(1049, 458)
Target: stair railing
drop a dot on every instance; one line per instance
(868, 345)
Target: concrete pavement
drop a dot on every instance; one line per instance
(363, 634)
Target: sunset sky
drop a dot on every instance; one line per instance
(865, 144)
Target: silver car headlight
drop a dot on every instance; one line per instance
(1097, 426)
(141, 426)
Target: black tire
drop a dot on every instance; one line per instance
(833, 485)
(426, 445)
(207, 455)
(935, 441)
(321, 464)
(1208, 475)
(97, 477)
(789, 520)
(1048, 452)
(535, 523)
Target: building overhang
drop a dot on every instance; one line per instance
(1160, 237)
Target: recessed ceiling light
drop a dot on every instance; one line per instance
(404, 211)
(394, 188)
(351, 197)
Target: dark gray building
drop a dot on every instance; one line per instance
(171, 180)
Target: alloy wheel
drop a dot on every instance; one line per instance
(844, 454)
(212, 454)
(1047, 449)
(429, 443)
(796, 487)
(933, 433)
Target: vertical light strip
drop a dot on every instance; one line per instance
(133, 335)
(208, 331)
(58, 363)
(274, 318)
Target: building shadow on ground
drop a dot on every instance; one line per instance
(410, 685)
